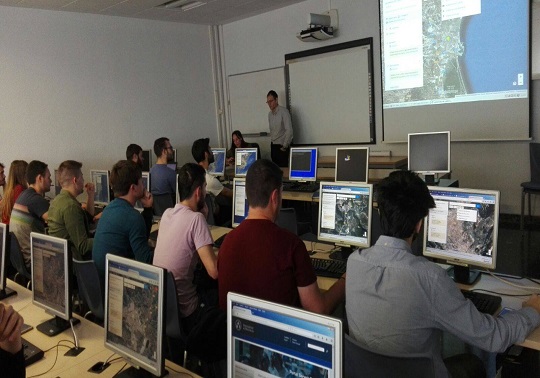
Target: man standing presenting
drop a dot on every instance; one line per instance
(399, 304)
(281, 131)
(67, 219)
(262, 260)
(163, 183)
(30, 209)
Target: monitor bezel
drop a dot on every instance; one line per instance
(337, 165)
(220, 151)
(235, 181)
(323, 320)
(66, 315)
(429, 172)
(177, 192)
(3, 270)
(463, 261)
(293, 178)
(138, 204)
(133, 360)
(247, 149)
(101, 172)
(337, 240)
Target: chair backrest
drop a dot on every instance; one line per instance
(210, 204)
(16, 257)
(173, 327)
(534, 154)
(359, 362)
(162, 202)
(287, 219)
(90, 286)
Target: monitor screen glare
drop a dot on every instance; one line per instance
(51, 272)
(100, 179)
(243, 160)
(303, 164)
(352, 164)
(4, 290)
(269, 339)
(462, 229)
(217, 168)
(240, 203)
(134, 312)
(345, 213)
(429, 153)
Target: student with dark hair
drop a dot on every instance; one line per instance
(134, 153)
(67, 218)
(122, 230)
(30, 211)
(275, 264)
(281, 131)
(399, 304)
(239, 142)
(163, 183)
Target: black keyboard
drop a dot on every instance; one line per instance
(31, 352)
(329, 268)
(303, 187)
(486, 303)
(219, 241)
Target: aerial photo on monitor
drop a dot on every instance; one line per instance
(54, 280)
(351, 217)
(469, 237)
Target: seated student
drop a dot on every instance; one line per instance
(163, 183)
(2, 178)
(135, 154)
(11, 350)
(67, 219)
(16, 184)
(122, 230)
(262, 260)
(399, 304)
(239, 142)
(30, 209)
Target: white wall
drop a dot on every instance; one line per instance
(261, 42)
(79, 86)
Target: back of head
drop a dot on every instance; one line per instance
(159, 146)
(132, 149)
(34, 169)
(262, 178)
(273, 94)
(403, 200)
(67, 171)
(17, 173)
(190, 177)
(124, 174)
(200, 146)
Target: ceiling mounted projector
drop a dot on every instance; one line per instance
(321, 27)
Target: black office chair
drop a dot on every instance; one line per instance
(531, 187)
(176, 337)
(287, 219)
(17, 259)
(210, 200)
(359, 362)
(90, 288)
(162, 202)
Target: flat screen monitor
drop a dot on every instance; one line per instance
(345, 216)
(269, 339)
(51, 281)
(217, 168)
(146, 184)
(303, 164)
(135, 313)
(352, 164)
(243, 160)
(240, 203)
(147, 160)
(4, 290)
(175, 154)
(429, 154)
(462, 229)
(101, 181)
(57, 186)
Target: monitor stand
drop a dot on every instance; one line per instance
(342, 253)
(463, 275)
(430, 180)
(55, 326)
(7, 292)
(133, 372)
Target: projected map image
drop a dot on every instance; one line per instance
(351, 216)
(468, 231)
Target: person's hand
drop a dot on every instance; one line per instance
(147, 200)
(90, 189)
(534, 302)
(230, 161)
(10, 329)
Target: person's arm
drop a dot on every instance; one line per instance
(90, 194)
(74, 221)
(226, 192)
(11, 352)
(312, 299)
(209, 260)
(287, 125)
(138, 239)
(148, 212)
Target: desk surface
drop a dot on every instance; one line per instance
(91, 337)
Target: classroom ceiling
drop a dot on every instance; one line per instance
(206, 12)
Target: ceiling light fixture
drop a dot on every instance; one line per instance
(183, 5)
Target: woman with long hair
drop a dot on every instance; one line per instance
(239, 142)
(15, 185)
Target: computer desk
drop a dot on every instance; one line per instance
(91, 337)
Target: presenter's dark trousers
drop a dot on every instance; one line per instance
(281, 158)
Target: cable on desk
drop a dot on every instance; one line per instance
(55, 357)
(180, 372)
(534, 288)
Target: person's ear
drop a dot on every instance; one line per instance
(418, 226)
